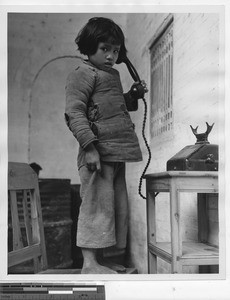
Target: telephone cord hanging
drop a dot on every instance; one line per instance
(148, 149)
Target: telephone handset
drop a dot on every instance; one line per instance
(132, 70)
(136, 78)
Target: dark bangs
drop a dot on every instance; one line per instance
(111, 36)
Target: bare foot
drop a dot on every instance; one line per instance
(116, 267)
(97, 269)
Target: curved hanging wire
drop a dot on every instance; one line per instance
(31, 90)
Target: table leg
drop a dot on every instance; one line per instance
(151, 232)
(176, 243)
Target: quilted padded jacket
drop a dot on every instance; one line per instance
(97, 111)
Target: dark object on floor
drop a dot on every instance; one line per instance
(55, 194)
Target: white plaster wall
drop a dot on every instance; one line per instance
(195, 101)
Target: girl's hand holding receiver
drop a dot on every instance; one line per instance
(138, 90)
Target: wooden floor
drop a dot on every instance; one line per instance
(78, 271)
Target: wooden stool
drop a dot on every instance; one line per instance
(178, 253)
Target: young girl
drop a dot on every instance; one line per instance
(97, 114)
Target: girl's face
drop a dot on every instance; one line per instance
(106, 55)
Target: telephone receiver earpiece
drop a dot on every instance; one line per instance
(132, 70)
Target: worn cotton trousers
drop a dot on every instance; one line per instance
(103, 216)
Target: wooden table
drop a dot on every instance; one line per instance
(177, 252)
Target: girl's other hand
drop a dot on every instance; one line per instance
(92, 158)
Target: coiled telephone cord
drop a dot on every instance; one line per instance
(136, 78)
(148, 149)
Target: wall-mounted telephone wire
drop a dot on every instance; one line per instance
(136, 78)
(31, 96)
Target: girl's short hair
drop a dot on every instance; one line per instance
(99, 30)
